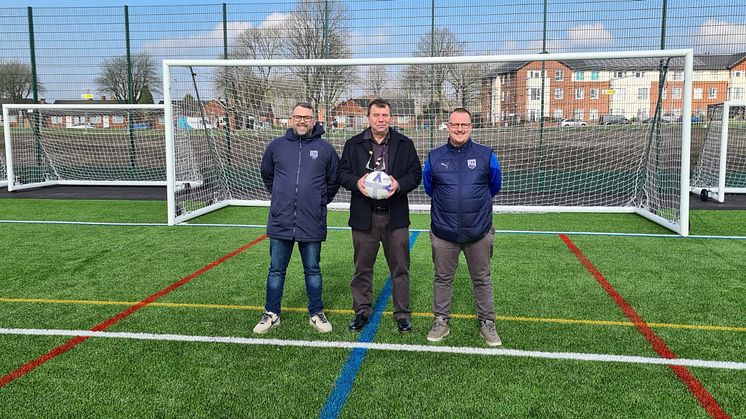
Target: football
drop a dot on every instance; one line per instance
(377, 184)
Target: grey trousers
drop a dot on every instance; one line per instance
(445, 259)
(396, 249)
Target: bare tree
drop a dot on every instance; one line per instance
(114, 81)
(466, 82)
(424, 81)
(16, 81)
(319, 29)
(377, 78)
(250, 91)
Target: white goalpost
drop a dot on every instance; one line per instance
(721, 167)
(222, 114)
(84, 145)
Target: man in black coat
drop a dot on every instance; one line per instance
(380, 221)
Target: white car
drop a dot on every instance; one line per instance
(572, 123)
(443, 125)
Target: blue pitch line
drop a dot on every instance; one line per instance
(338, 397)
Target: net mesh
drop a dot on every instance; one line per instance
(599, 143)
(706, 173)
(100, 145)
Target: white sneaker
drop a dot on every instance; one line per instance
(268, 322)
(320, 322)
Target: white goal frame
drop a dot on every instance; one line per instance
(681, 228)
(715, 192)
(7, 108)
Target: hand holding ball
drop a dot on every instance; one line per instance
(377, 184)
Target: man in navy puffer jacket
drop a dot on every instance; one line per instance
(299, 169)
(462, 177)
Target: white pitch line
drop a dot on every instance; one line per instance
(574, 356)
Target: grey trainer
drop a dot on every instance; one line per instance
(320, 322)
(268, 322)
(438, 330)
(488, 332)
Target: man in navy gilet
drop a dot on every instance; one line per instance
(462, 177)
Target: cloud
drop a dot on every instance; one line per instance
(205, 39)
(274, 20)
(580, 38)
(720, 36)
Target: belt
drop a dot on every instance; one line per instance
(380, 210)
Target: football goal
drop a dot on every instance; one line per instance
(84, 145)
(577, 132)
(721, 166)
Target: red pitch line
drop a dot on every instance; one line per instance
(690, 381)
(31, 365)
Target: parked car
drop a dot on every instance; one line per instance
(443, 125)
(613, 119)
(573, 123)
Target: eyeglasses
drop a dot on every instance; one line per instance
(304, 118)
(460, 125)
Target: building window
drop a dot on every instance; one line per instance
(619, 74)
(579, 114)
(639, 74)
(642, 93)
(534, 74)
(713, 93)
(117, 119)
(678, 75)
(579, 75)
(96, 119)
(676, 93)
(735, 93)
(558, 114)
(593, 114)
(579, 93)
(56, 119)
(594, 94)
(594, 75)
(559, 75)
(737, 73)
(534, 93)
(559, 93)
(698, 93)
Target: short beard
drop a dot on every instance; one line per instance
(306, 135)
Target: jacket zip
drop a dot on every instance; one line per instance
(297, 182)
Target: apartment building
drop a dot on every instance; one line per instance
(589, 89)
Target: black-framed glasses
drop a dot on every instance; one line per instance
(304, 118)
(463, 125)
(376, 164)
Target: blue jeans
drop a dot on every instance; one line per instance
(280, 251)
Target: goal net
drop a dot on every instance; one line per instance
(573, 132)
(84, 145)
(721, 166)
(3, 168)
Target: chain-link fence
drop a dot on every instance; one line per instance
(69, 53)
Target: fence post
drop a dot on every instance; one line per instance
(34, 84)
(227, 118)
(130, 93)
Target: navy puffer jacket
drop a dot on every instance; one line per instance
(461, 181)
(301, 175)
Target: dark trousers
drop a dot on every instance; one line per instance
(396, 249)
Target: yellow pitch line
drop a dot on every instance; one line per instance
(347, 311)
